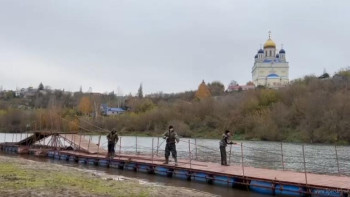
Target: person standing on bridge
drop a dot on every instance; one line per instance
(223, 143)
(171, 138)
(112, 138)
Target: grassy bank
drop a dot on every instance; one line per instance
(14, 178)
(21, 177)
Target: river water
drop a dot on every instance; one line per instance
(323, 159)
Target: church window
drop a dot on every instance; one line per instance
(270, 53)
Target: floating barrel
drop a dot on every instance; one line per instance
(82, 160)
(130, 166)
(51, 154)
(64, 157)
(160, 170)
(72, 158)
(326, 192)
(103, 162)
(223, 180)
(288, 190)
(114, 164)
(182, 174)
(200, 176)
(143, 168)
(57, 156)
(92, 161)
(261, 187)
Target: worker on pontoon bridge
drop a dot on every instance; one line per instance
(112, 138)
(171, 137)
(223, 143)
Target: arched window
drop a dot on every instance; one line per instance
(270, 53)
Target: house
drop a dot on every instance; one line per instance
(108, 111)
(233, 86)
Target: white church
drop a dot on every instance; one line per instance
(270, 69)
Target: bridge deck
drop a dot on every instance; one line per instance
(250, 173)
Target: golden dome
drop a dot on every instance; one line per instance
(269, 44)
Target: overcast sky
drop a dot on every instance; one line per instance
(167, 45)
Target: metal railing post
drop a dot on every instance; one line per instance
(242, 158)
(71, 142)
(120, 146)
(336, 156)
(282, 156)
(189, 152)
(80, 142)
(195, 145)
(152, 148)
(88, 148)
(229, 156)
(157, 146)
(304, 165)
(136, 145)
(98, 144)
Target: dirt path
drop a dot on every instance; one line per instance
(22, 177)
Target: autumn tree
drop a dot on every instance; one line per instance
(203, 91)
(85, 105)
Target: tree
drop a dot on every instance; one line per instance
(140, 92)
(203, 91)
(216, 88)
(85, 105)
(41, 86)
(250, 83)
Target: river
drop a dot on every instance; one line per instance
(323, 159)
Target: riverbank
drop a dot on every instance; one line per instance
(22, 177)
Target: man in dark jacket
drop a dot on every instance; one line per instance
(171, 137)
(112, 138)
(223, 143)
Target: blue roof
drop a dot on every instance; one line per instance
(256, 56)
(273, 75)
(282, 51)
(261, 51)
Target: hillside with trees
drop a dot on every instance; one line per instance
(311, 109)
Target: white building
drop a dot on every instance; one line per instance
(270, 69)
